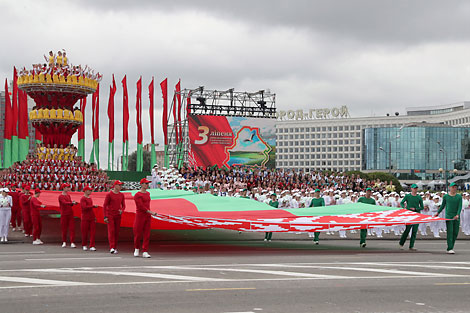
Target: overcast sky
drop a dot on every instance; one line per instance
(376, 57)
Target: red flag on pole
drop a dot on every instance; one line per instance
(81, 131)
(178, 97)
(14, 106)
(138, 107)
(112, 92)
(151, 90)
(175, 120)
(8, 129)
(164, 87)
(125, 124)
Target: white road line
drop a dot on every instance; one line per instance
(364, 269)
(67, 259)
(22, 252)
(279, 273)
(423, 266)
(41, 281)
(136, 274)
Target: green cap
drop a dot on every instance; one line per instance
(368, 189)
(414, 186)
(177, 185)
(212, 187)
(274, 195)
(317, 190)
(452, 184)
(159, 183)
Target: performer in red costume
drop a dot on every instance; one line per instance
(35, 204)
(26, 210)
(142, 219)
(66, 216)
(16, 208)
(113, 207)
(88, 220)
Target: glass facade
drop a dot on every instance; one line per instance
(416, 148)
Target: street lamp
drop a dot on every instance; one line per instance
(445, 157)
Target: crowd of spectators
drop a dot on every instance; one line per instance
(50, 174)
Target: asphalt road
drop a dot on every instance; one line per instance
(237, 276)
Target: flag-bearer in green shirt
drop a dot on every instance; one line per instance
(316, 202)
(275, 204)
(368, 200)
(414, 203)
(452, 202)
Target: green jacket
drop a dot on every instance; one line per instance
(367, 200)
(317, 202)
(412, 202)
(274, 204)
(452, 204)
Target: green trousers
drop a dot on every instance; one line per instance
(268, 235)
(316, 236)
(363, 234)
(452, 233)
(414, 231)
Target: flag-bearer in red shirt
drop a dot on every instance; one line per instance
(142, 219)
(25, 198)
(113, 207)
(88, 219)
(67, 223)
(35, 205)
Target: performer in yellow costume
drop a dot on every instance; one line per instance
(61, 153)
(45, 113)
(68, 114)
(65, 59)
(40, 113)
(78, 116)
(66, 153)
(42, 152)
(60, 114)
(48, 152)
(55, 152)
(33, 114)
(51, 59)
(59, 59)
(52, 114)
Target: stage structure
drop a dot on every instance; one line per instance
(55, 95)
(199, 102)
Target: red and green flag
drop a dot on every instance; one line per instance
(95, 104)
(7, 161)
(138, 107)
(112, 92)
(153, 157)
(23, 133)
(81, 131)
(179, 127)
(125, 124)
(14, 116)
(164, 87)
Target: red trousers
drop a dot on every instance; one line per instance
(16, 217)
(67, 224)
(114, 224)
(142, 231)
(88, 231)
(27, 224)
(37, 226)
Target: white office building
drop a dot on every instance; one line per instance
(328, 139)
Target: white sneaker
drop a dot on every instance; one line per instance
(146, 255)
(92, 249)
(136, 252)
(85, 248)
(111, 251)
(115, 251)
(316, 242)
(26, 235)
(72, 245)
(13, 229)
(64, 244)
(40, 242)
(36, 242)
(6, 239)
(1, 240)
(450, 252)
(363, 245)
(401, 247)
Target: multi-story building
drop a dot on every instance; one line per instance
(328, 139)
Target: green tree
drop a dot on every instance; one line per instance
(133, 161)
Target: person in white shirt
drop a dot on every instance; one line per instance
(465, 215)
(6, 203)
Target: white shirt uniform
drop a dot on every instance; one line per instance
(5, 215)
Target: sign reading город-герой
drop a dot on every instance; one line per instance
(341, 112)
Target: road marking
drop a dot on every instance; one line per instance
(279, 273)
(450, 284)
(19, 252)
(423, 266)
(67, 259)
(41, 281)
(364, 269)
(136, 274)
(221, 289)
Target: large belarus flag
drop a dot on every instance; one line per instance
(153, 157)
(7, 131)
(112, 92)
(138, 107)
(125, 124)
